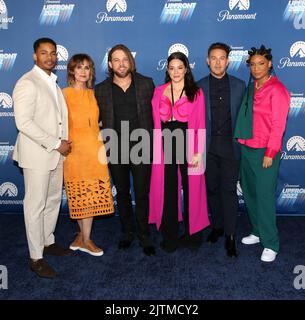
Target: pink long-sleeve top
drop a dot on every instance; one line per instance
(270, 109)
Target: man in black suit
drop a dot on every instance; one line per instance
(124, 99)
(223, 98)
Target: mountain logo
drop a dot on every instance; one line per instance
(239, 4)
(3, 9)
(178, 47)
(116, 6)
(6, 102)
(62, 53)
(296, 143)
(8, 189)
(297, 50)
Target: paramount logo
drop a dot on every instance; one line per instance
(296, 148)
(62, 58)
(4, 19)
(237, 5)
(114, 6)
(297, 52)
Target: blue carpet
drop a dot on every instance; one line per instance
(205, 274)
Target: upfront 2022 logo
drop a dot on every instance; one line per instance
(237, 58)
(177, 10)
(295, 11)
(54, 12)
(115, 12)
(240, 6)
(291, 195)
(297, 56)
(297, 104)
(4, 19)
(7, 60)
(6, 151)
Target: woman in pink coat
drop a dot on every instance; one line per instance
(179, 145)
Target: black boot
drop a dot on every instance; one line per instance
(214, 235)
(230, 246)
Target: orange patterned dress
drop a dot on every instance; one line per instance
(86, 175)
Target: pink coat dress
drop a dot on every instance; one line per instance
(198, 213)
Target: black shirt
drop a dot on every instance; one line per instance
(125, 106)
(220, 106)
(221, 126)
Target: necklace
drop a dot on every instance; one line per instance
(172, 92)
(258, 87)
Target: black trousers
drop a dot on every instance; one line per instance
(170, 225)
(221, 179)
(141, 180)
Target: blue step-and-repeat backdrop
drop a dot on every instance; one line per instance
(152, 29)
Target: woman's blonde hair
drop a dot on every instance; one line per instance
(76, 60)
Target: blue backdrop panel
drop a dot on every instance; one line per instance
(152, 29)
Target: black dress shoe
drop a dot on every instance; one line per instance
(230, 246)
(124, 244)
(214, 235)
(149, 250)
(56, 250)
(42, 269)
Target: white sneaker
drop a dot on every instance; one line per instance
(251, 239)
(268, 255)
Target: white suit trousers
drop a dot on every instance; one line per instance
(43, 192)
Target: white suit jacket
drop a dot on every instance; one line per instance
(40, 120)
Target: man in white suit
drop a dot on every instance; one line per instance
(42, 142)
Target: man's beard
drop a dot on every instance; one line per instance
(122, 75)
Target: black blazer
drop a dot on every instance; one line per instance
(144, 92)
(237, 91)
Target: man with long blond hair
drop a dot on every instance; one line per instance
(124, 98)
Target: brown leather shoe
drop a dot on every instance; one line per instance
(56, 250)
(42, 269)
(77, 243)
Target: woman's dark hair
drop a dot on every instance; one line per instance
(76, 60)
(190, 86)
(262, 51)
